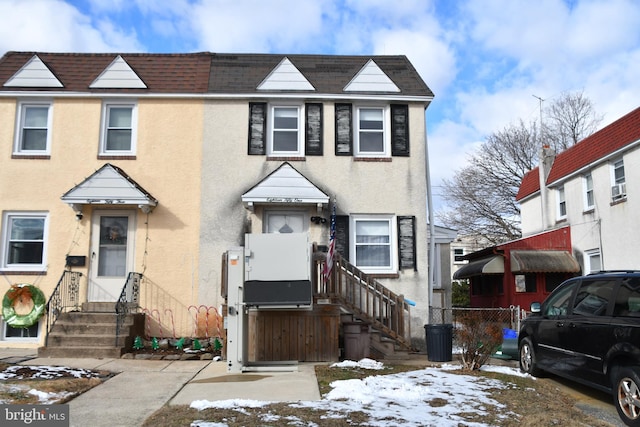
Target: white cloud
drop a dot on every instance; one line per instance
(54, 25)
(433, 59)
(246, 26)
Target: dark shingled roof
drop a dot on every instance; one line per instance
(214, 73)
(162, 73)
(328, 74)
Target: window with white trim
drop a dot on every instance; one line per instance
(286, 132)
(592, 261)
(119, 129)
(619, 185)
(618, 172)
(371, 132)
(589, 202)
(29, 334)
(458, 256)
(33, 131)
(23, 241)
(562, 203)
(373, 240)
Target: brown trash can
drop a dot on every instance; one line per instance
(357, 339)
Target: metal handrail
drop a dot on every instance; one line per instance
(65, 297)
(128, 301)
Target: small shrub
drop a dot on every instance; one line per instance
(478, 338)
(460, 294)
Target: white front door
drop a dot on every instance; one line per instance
(111, 253)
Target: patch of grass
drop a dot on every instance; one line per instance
(527, 403)
(17, 391)
(537, 402)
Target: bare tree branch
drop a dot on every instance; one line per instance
(481, 197)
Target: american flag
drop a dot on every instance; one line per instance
(328, 265)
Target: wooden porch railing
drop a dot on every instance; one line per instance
(365, 297)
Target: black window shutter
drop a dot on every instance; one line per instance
(257, 128)
(399, 130)
(342, 236)
(313, 131)
(344, 133)
(407, 242)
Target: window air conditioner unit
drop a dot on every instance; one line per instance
(619, 191)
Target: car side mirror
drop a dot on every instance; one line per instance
(535, 307)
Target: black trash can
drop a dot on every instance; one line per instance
(439, 342)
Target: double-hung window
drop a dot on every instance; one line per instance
(371, 132)
(592, 261)
(619, 186)
(373, 238)
(119, 129)
(589, 202)
(562, 203)
(24, 246)
(286, 131)
(33, 134)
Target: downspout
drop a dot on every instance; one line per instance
(432, 228)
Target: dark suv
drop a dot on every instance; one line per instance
(588, 330)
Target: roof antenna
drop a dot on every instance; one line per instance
(541, 101)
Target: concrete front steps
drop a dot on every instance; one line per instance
(91, 333)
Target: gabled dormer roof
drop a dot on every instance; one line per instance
(285, 185)
(285, 77)
(598, 147)
(33, 74)
(118, 75)
(371, 78)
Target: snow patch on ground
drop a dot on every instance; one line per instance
(431, 396)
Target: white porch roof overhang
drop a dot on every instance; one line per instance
(109, 186)
(285, 186)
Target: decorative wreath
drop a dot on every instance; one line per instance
(22, 293)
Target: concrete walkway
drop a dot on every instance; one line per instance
(141, 387)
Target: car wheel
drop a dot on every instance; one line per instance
(626, 394)
(528, 358)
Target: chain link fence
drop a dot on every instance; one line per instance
(506, 318)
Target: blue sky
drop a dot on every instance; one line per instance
(484, 59)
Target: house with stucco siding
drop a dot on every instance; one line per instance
(128, 177)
